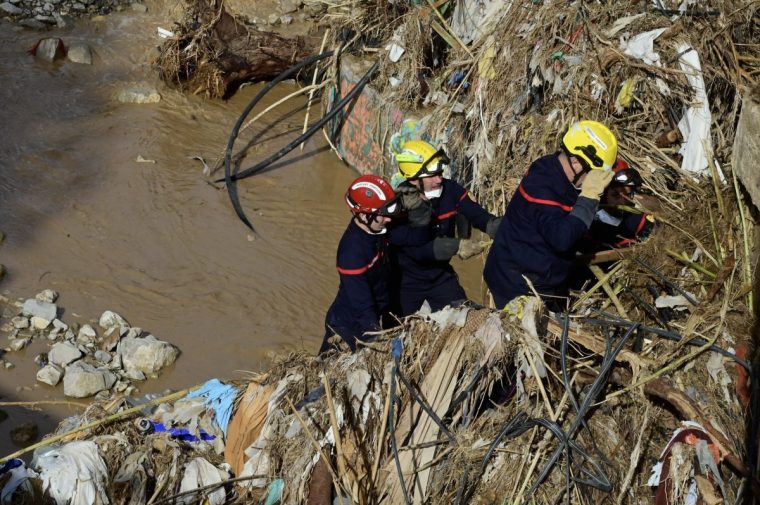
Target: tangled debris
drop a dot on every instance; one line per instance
(212, 52)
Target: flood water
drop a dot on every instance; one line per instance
(155, 241)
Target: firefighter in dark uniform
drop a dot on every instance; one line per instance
(425, 243)
(547, 216)
(615, 226)
(363, 300)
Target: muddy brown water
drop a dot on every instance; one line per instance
(154, 241)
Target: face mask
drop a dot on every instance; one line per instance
(436, 193)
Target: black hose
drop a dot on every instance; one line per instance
(419, 398)
(231, 189)
(228, 178)
(665, 280)
(396, 352)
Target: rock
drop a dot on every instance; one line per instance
(136, 7)
(285, 19)
(102, 356)
(110, 319)
(63, 353)
(287, 6)
(20, 322)
(78, 6)
(63, 21)
(6, 327)
(273, 19)
(32, 23)
(82, 380)
(50, 20)
(111, 339)
(9, 8)
(146, 354)
(135, 375)
(39, 323)
(19, 343)
(141, 93)
(8, 365)
(50, 374)
(121, 386)
(24, 433)
(88, 332)
(33, 307)
(316, 8)
(115, 362)
(60, 325)
(48, 295)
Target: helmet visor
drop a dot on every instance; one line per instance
(390, 208)
(433, 165)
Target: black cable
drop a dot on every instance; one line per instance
(231, 188)
(419, 398)
(665, 280)
(599, 481)
(396, 352)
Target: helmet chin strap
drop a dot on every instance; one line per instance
(367, 222)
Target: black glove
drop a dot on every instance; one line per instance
(444, 248)
(493, 226)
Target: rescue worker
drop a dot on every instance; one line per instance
(613, 226)
(363, 299)
(547, 216)
(424, 245)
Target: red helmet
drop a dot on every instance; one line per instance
(370, 194)
(625, 175)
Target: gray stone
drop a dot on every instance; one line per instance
(135, 375)
(102, 356)
(33, 307)
(63, 353)
(287, 6)
(146, 354)
(20, 322)
(285, 19)
(140, 93)
(8, 365)
(50, 374)
(9, 8)
(77, 6)
(121, 386)
(6, 327)
(87, 331)
(63, 21)
(82, 380)
(50, 20)
(137, 7)
(39, 323)
(110, 319)
(273, 19)
(747, 146)
(48, 7)
(60, 325)
(47, 295)
(19, 343)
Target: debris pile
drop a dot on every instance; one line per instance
(88, 361)
(469, 405)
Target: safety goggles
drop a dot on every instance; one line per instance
(590, 152)
(626, 177)
(430, 167)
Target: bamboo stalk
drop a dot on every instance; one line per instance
(596, 286)
(381, 438)
(340, 456)
(747, 270)
(448, 28)
(715, 179)
(690, 264)
(44, 402)
(607, 289)
(105, 420)
(313, 83)
(540, 383)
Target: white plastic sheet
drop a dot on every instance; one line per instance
(74, 474)
(201, 473)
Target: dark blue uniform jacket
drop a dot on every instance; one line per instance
(606, 235)
(362, 298)
(538, 235)
(420, 276)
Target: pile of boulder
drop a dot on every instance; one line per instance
(89, 360)
(40, 14)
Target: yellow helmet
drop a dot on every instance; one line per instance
(592, 143)
(419, 159)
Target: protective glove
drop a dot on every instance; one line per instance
(419, 211)
(469, 248)
(595, 182)
(493, 226)
(444, 248)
